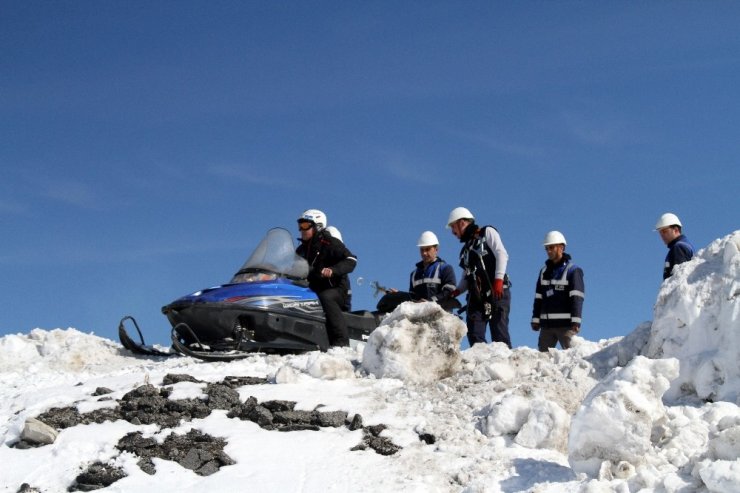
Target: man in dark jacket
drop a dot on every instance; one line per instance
(433, 279)
(329, 263)
(483, 259)
(558, 296)
(680, 250)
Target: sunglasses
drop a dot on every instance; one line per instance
(305, 226)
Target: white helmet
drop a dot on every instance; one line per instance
(314, 216)
(667, 219)
(426, 239)
(334, 232)
(459, 213)
(554, 238)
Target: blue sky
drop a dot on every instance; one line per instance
(148, 146)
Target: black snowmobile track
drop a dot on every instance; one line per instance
(136, 347)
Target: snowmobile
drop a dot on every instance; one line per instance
(266, 307)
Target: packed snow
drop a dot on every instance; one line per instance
(656, 410)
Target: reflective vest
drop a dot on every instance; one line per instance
(559, 295)
(430, 281)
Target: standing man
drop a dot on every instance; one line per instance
(558, 296)
(680, 250)
(433, 279)
(483, 259)
(329, 263)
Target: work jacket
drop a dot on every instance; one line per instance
(321, 251)
(432, 282)
(559, 295)
(680, 250)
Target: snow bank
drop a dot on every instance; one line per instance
(418, 342)
(58, 349)
(611, 432)
(593, 418)
(697, 320)
(530, 395)
(534, 423)
(621, 351)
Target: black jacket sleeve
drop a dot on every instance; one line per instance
(339, 259)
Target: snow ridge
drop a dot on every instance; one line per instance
(655, 411)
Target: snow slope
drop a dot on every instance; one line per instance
(656, 410)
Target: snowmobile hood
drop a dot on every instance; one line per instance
(279, 287)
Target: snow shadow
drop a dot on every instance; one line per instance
(530, 472)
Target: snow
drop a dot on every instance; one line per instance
(630, 401)
(696, 320)
(418, 342)
(656, 410)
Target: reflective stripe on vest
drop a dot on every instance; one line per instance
(434, 279)
(563, 281)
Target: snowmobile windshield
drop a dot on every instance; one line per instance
(274, 257)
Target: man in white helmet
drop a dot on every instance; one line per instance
(679, 248)
(558, 296)
(433, 279)
(483, 259)
(329, 263)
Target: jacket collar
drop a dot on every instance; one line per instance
(420, 263)
(563, 260)
(676, 240)
(469, 232)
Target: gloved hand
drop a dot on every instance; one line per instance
(575, 328)
(535, 326)
(498, 288)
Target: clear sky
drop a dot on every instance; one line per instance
(146, 147)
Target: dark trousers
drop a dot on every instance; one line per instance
(499, 322)
(333, 301)
(550, 337)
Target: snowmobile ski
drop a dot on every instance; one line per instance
(135, 347)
